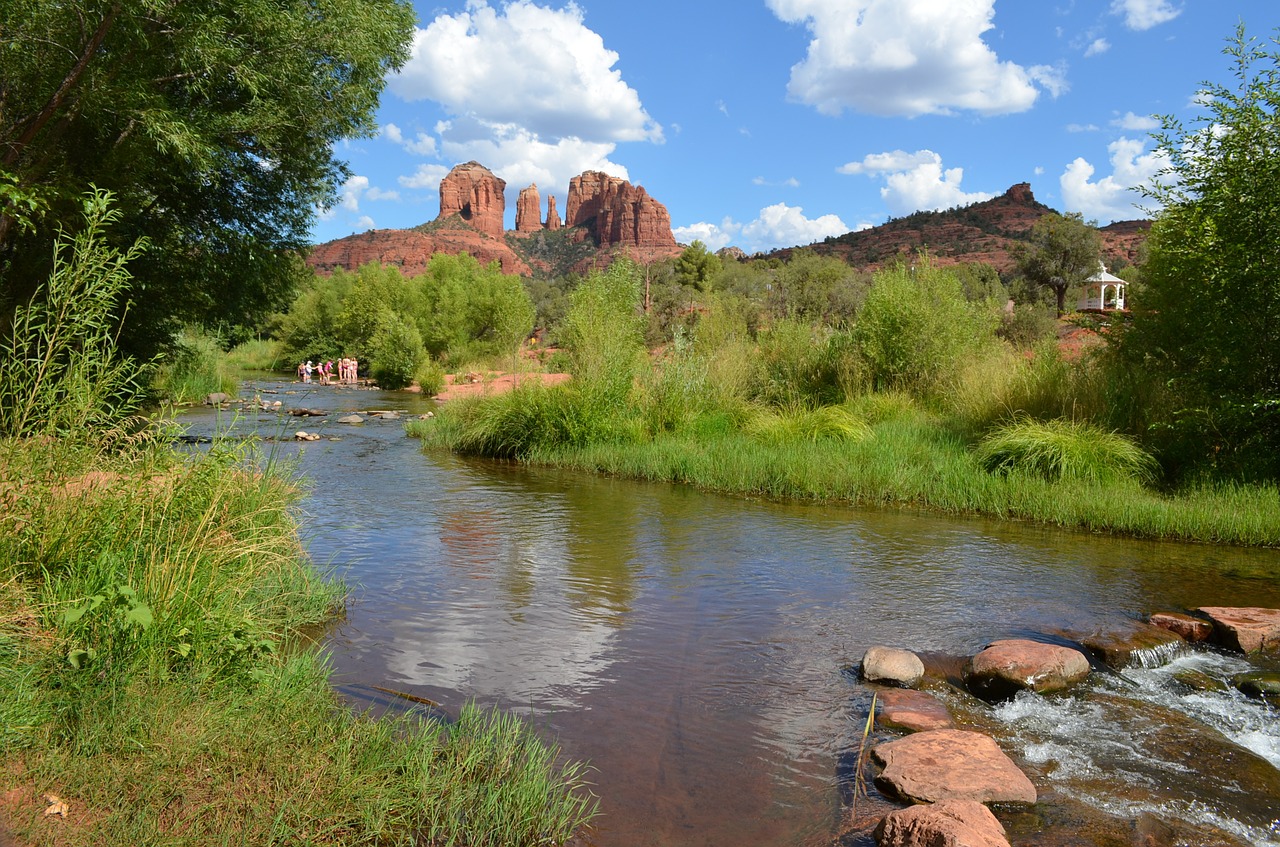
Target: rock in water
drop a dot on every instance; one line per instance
(1247, 629)
(1185, 626)
(947, 823)
(892, 665)
(1007, 667)
(951, 764)
(914, 711)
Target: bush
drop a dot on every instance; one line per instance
(396, 352)
(1064, 450)
(195, 368)
(430, 377)
(916, 328)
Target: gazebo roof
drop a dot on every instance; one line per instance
(1103, 276)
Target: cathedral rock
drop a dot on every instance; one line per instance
(473, 193)
(620, 214)
(529, 210)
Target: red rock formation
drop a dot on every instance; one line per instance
(553, 217)
(529, 210)
(473, 193)
(621, 214)
(411, 250)
(1246, 629)
(914, 711)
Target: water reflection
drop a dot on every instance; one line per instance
(691, 646)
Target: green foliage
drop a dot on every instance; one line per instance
(1062, 251)
(312, 328)
(1064, 450)
(193, 368)
(395, 351)
(214, 121)
(916, 328)
(1208, 315)
(258, 354)
(63, 374)
(805, 364)
(1027, 325)
(430, 377)
(817, 288)
(603, 333)
(697, 267)
(799, 423)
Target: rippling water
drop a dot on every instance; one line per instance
(694, 647)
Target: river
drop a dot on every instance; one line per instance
(700, 650)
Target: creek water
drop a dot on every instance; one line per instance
(700, 650)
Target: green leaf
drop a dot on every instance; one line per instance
(79, 657)
(140, 615)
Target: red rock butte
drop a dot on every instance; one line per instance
(618, 217)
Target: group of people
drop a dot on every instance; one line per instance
(348, 369)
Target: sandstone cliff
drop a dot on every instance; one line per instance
(410, 250)
(553, 217)
(475, 195)
(529, 210)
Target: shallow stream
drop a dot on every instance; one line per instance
(699, 650)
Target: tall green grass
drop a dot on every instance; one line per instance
(1064, 450)
(152, 668)
(194, 368)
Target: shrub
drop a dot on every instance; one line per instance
(63, 374)
(916, 328)
(396, 352)
(194, 368)
(1064, 450)
(430, 377)
(798, 423)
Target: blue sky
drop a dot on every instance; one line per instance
(775, 123)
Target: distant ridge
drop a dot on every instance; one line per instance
(981, 232)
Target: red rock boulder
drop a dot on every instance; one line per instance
(1183, 626)
(950, 764)
(1007, 667)
(1247, 629)
(947, 823)
(914, 711)
(892, 665)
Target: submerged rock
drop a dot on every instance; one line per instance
(914, 711)
(350, 419)
(1260, 685)
(892, 665)
(1138, 645)
(947, 823)
(1247, 629)
(1007, 667)
(951, 764)
(1198, 680)
(1186, 627)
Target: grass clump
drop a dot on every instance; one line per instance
(1064, 450)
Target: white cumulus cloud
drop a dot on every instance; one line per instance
(907, 58)
(421, 145)
(1097, 47)
(915, 181)
(1136, 123)
(777, 226)
(1144, 14)
(1113, 197)
(529, 65)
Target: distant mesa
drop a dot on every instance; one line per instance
(606, 216)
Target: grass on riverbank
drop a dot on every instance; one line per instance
(911, 457)
(151, 675)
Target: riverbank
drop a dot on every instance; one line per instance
(156, 681)
(880, 451)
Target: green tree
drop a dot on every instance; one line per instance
(697, 266)
(1062, 253)
(213, 122)
(1208, 319)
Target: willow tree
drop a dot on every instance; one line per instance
(212, 122)
(1208, 321)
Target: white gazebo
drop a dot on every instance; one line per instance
(1103, 292)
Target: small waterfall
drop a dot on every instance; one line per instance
(1159, 655)
(1142, 743)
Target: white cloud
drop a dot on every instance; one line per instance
(1097, 47)
(906, 58)
(1082, 127)
(532, 66)
(1113, 197)
(365, 222)
(777, 226)
(426, 177)
(1136, 123)
(915, 181)
(350, 195)
(1144, 14)
(789, 182)
(522, 158)
(422, 144)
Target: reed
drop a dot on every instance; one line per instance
(1062, 449)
